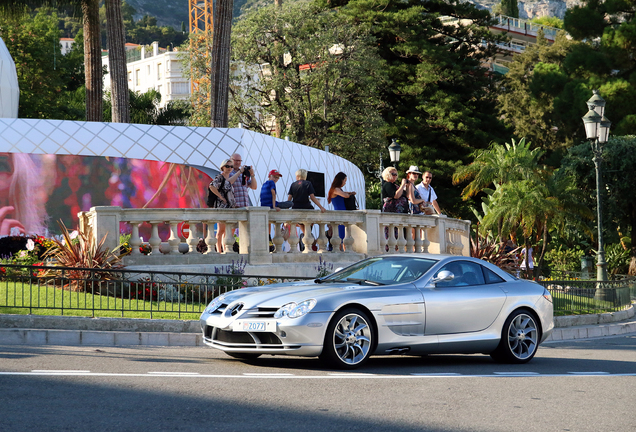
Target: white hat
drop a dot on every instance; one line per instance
(413, 169)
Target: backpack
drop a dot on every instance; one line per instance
(212, 198)
(351, 203)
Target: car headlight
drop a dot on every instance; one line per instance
(284, 310)
(302, 308)
(547, 295)
(214, 304)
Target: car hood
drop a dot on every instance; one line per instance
(280, 294)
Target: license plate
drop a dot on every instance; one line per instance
(254, 326)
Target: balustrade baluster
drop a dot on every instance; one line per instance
(174, 239)
(308, 239)
(293, 238)
(409, 237)
(135, 241)
(322, 240)
(278, 239)
(401, 243)
(348, 240)
(210, 238)
(392, 239)
(155, 240)
(229, 238)
(193, 238)
(418, 239)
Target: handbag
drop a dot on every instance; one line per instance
(426, 207)
(351, 203)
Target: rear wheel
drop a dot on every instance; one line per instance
(243, 356)
(519, 339)
(349, 340)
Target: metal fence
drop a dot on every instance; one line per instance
(70, 290)
(587, 297)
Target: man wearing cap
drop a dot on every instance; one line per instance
(268, 190)
(427, 193)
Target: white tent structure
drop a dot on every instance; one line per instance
(9, 90)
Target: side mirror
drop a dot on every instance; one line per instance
(443, 276)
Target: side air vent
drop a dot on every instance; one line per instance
(235, 309)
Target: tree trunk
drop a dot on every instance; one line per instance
(117, 62)
(92, 60)
(220, 63)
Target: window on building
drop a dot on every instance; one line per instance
(129, 76)
(137, 77)
(158, 70)
(148, 70)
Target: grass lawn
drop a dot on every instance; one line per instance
(40, 299)
(570, 304)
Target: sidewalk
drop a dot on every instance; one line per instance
(80, 331)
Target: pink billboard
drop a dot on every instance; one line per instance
(38, 190)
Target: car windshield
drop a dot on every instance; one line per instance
(383, 271)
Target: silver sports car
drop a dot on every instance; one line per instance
(411, 304)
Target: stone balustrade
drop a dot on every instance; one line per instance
(367, 233)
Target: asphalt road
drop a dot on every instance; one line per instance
(571, 386)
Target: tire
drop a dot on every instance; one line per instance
(243, 356)
(349, 340)
(519, 339)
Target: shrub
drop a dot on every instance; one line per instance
(564, 259)
(323, 268)
(494, 253)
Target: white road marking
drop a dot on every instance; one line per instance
(517, 373)
(350, 374)
(310, 377)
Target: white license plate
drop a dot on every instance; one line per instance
(254, 326)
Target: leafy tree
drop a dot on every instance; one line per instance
(542, 98)
(509, 8)
(548, 21)
(439, 100)
(619, 178)
(47, 79)
(314, 72)
(498, 165)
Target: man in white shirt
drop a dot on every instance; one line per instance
(426, 191)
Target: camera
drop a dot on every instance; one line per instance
(246, 174)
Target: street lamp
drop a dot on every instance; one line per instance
(394, 152)
(597, 128)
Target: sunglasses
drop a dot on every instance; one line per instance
(394, 174)
(228, 166)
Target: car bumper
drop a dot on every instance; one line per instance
(302, 336)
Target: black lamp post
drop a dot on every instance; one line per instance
(597, 128)
(394, 152)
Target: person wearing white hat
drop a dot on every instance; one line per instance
(413, 195)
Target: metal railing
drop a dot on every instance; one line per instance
(590, 297)
(70, 290)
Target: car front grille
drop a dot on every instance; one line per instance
(232, 339)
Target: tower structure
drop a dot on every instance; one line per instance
(201, 26)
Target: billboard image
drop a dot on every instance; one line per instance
(37, 190)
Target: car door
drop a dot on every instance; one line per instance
(464, 305)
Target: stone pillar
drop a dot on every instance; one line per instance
(254, 236)
(367, 238)
(105, 222)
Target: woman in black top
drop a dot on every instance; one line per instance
(394, 197)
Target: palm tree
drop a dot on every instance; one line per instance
(498, 165)
(117, 62)
(92, 49)
(220, 64)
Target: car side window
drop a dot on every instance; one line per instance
(466, 274)
(492, 277)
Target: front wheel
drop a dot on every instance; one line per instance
(349, 340)
(519, 339)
